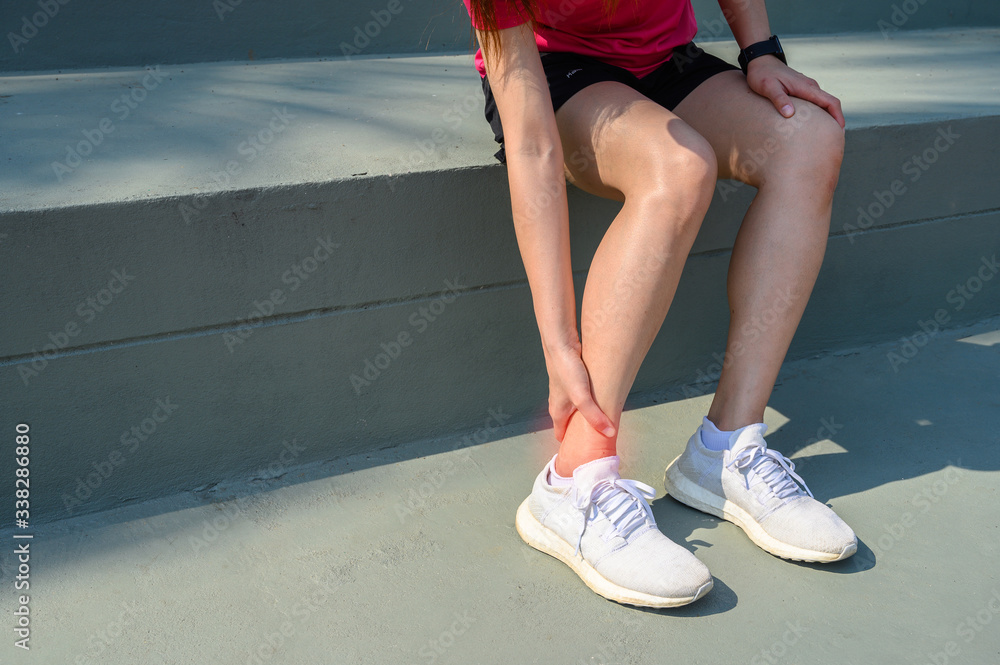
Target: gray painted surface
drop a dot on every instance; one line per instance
(121, 33)
(294, 380)
(178, 329)
(118, 33)
(888, 18)
(250, 257)
(369, 559)
(382, 117)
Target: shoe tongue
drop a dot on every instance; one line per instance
(589, 474)
(746, 436)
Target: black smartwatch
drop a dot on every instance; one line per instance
(767, 47)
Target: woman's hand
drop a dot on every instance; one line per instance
(771, 78)
(569, 390)
(536, 173)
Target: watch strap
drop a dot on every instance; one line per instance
(770, 46)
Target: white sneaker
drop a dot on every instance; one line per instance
(603, 528)
(758, 490)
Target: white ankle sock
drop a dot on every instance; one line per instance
(712, 437)
(556, 480)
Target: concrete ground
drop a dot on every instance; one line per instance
(410, 555)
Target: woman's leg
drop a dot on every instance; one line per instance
(794, 163)
(620, 145)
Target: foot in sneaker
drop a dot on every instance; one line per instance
(758, 490)
(603, 528)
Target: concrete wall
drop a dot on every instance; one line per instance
(149, 361)
(250, 397)
(118, 33)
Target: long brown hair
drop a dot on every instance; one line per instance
(484, 12)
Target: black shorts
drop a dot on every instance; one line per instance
(569, 73)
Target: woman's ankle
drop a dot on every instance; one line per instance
(568, 462)
(582, 444)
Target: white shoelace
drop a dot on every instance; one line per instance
(771, 467)
(623, 502)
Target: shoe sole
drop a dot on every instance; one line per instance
(544, 539)
(689, 493)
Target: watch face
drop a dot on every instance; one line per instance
(780, 52)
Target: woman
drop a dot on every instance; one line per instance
(613, 96)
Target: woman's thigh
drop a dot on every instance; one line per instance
(751, 140)
(617, 143)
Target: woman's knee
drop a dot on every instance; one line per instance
(808, 151)
(679, 173)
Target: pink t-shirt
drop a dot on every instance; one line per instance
(639, 36)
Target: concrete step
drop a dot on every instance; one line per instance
(323, 250)
(410, 555)
(58, 34)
